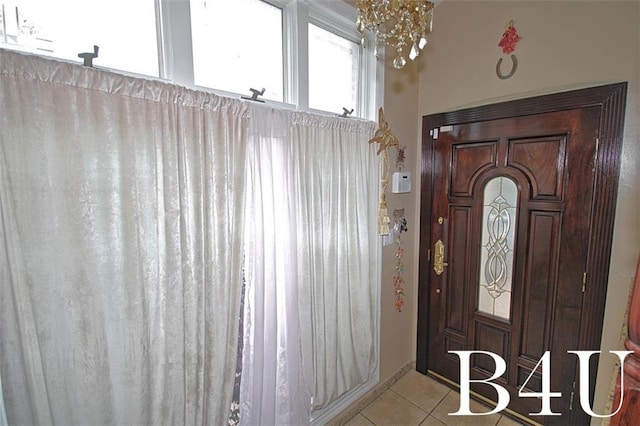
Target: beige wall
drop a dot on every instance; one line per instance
(398, 329)
(565, 45)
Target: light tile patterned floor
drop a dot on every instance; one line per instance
(418, 400)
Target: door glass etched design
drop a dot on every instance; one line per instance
(498, 239)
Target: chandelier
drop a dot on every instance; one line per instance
(403, 24)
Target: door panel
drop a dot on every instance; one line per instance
(533, 157)
(539, 283)
(468, 160)
(456, 315)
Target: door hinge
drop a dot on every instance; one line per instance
(573, 393)
(595, 157)
(584, 281)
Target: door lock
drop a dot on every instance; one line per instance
(438, 258)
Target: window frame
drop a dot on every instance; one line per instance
(176, 54)
(339, 18)
(47, 51)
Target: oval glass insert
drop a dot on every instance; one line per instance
(498, 240)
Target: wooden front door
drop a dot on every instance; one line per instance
(505, 253)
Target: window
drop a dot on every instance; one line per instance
(306, 54)
(124, 30)
(498, 242)
(341, 72)
(333, 70)
(235, 54)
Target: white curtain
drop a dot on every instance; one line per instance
(121, 247)
(272, 386)
(336, 172)
(312, 286)
(131, 211)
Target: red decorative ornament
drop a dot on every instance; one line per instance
(509, 39)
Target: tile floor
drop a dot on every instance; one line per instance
(418, 400)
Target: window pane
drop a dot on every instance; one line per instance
(498, 240)
(124, 30)
(333, 71)
(237, 44)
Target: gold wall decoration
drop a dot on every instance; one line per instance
(385, 139)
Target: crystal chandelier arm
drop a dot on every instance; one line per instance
(397, 23)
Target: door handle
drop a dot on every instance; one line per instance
(438, 258)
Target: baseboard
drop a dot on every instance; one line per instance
(352, 410)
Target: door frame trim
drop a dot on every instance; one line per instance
(611, 99)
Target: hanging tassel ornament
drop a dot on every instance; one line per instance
(383, 217)
(383, 211)
(386, 139)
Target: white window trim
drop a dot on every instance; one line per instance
(174, 41)
(296, 58)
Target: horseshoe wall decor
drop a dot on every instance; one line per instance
(514, 66)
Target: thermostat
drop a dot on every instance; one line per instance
(401, 182)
